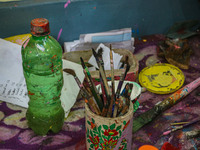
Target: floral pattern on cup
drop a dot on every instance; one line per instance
(105, 137)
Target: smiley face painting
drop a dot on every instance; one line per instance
(161, 78)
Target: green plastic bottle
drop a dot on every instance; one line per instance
(42, 66)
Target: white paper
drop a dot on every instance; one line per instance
(120, 39)
(69, 45)
(70, 88)
(108, 36)
(106, 58)
(12, 83)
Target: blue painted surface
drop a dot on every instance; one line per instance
(88, 16)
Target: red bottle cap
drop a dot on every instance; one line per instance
(40, 26)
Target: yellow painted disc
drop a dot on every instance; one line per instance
(18, 39)
(161, 78)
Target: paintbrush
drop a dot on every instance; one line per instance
(103, 91)
(101, 70)
(98, 57)
(176, 97)
(122, 99)
(104, 83)
(111, 106)
(127, 93)
(112, 71)
(128, 65)
(181, 127)
(92, 85)
(121, 81)
(124, 110)
(116, 107)
(125, 90)
(90, 88)
(105, 108)
(84, 92)
(121, 104)
(178, 123)
(72, 72)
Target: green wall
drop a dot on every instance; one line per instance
(86, 16)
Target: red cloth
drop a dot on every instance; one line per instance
(168, 146)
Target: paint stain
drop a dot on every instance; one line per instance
(66, 4)
(180, 135)
(144, 40)
(149, 134)
(25, 43)
(30, 93)
(59, 34)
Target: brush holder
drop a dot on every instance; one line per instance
(108, 133)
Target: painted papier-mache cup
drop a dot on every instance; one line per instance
(103, 133)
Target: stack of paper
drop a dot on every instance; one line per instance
(120, 39)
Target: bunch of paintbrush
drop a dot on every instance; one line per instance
(106, 102)
(181, 125)
(106, 93)
(92, 86)
(121, 81)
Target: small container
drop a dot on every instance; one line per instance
(108, 133)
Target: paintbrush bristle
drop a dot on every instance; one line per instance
(128, 65)
(126, 61)
(99, 56)
(94, 52)
(82, 63)
(95, 55)
(100, 52)
(70, 71)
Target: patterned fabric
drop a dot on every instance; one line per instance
(186, 110)
(15, 134)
